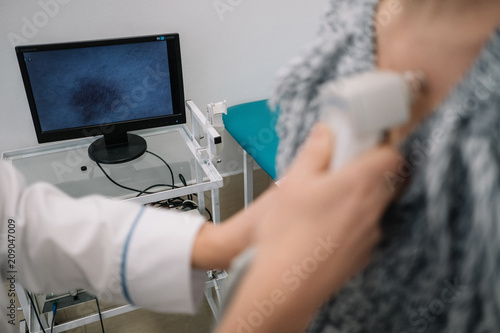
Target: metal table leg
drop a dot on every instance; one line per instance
(248, 178)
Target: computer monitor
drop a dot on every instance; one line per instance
(104, 87)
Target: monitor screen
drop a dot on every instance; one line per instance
(103, 87)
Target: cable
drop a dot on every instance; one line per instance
(168, 166)
(54, 310)
(110, 179)
(190, 202)
(190, 197)
(157, 185)
(130, 188)
(36, 312)
(183, 180)
(100, 314)
(209, 214)
(146, 190)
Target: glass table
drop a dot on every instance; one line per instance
(67, 166)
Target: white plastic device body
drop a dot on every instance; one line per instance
(214, 116)
(361, 108)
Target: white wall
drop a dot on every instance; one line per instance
(229, 52)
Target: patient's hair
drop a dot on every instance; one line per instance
(438, 266)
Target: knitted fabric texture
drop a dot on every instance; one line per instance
(438, 266)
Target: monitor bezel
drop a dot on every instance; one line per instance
(176, 80)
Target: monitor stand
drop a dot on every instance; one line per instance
(117, 148)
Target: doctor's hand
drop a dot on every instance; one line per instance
(318, 230)
(217, 245)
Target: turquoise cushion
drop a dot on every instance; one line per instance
(253, 126)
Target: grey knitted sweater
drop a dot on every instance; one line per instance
(438, 266)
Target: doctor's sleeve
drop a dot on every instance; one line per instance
(121, 252)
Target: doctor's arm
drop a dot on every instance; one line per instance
(121, 252)
(320, 231)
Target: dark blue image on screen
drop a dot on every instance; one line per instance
(100, 85)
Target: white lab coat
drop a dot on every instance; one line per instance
(121, 252)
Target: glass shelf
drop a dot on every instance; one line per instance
(68, 166)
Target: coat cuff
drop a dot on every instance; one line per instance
(156, 265)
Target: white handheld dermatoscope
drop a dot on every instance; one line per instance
(361, 108)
